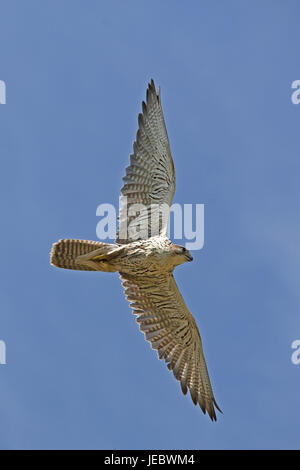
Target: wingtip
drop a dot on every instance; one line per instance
(212, 412)
(217, 406)
(151, 89)
(152, 84)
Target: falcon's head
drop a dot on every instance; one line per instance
(181, 254)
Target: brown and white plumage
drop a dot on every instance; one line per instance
(171, 329)
(146, 259)
(150, 177)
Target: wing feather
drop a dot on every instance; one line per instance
(171, 329)
(150, 177)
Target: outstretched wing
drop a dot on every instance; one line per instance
(171, 329)
(149, 184)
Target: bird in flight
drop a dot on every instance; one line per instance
(145, 257)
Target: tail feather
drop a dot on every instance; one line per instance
(65, 252)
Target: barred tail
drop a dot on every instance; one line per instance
(65, 253)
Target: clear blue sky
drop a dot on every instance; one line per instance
(79, 374)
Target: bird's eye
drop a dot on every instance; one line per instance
(183, 249)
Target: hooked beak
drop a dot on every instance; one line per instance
(189, 257)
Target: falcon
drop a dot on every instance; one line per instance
(145, 258)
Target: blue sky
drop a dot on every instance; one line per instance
(79, 374)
